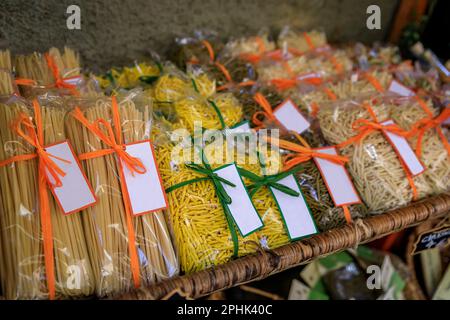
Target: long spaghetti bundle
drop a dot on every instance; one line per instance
(6, 80)
(24, 273)
(250, 47)
(106, 225)
(378, 173)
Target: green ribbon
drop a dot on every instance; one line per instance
(224, 198)
(213, 104)
(148, 79)
(269, 181)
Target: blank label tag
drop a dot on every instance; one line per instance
(404, 151)
(290, 117)
(75, 193)
(242, 209)
(400, 89)
(337, 180)
(296, 214)
(145, 191)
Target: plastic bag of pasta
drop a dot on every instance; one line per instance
(139, 74)
(252, 49)
(201, 48)
(128, 241)
(301, 41)
(423, 120)
(52, 72)
(323, 180)
(217, 112)
(44, 252)
(384, 168)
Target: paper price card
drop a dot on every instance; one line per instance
(75, 192)
(290, 117)
(145, 190)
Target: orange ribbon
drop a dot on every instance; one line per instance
(114, 141)
(265, 113)
(303, 153)
(284, 84)
(35, 136)
(210, 49)
(374, 82)
(309, 41)
(366, 127)
(60, 82)
(423, 125)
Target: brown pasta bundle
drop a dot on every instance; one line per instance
(431, 150)
(378, 174)
(106, 226)
(23, 274)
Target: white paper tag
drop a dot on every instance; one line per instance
(290, 117)
(354, 77)
(400, 89)
(241, 208)
(145, 191)
(309, 75)
(75, 193)
(404, 151)
(337, 180)
(295, 212)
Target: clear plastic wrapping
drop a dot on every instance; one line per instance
(106, 224)
(301, 41)
(250, 48)
(377, 171)
(434, 154)
(24, 270)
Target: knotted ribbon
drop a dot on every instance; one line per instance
(224, 199)
(34, 135)
(365, 127)
(302, 153)
(103, 130)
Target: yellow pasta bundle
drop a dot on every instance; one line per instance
(25, 274)
(380, 176)
(218, 112)
(119, 261)
(7, 86)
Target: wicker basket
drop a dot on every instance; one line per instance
(266, 263)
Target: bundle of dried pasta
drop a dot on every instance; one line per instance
(217, 112)
(49, 71)
(139, 74)
(125, 249)
(423, 120)
(301, 41)
(7, 86)
(44, 250)
(199, 49)
(203, 229)
(251, 49)
(385, 177)
(351, 86)
(172, 85)
(320, 171)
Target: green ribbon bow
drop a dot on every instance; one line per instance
(224, 198)
(268, 181)
(148, 79)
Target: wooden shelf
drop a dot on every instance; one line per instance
(263, 264)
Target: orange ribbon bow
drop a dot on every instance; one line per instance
(114, 141)
(422, 126)
(302, 153)
(34, 135)
(366, 127)
(266, 113)
(286, 83)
